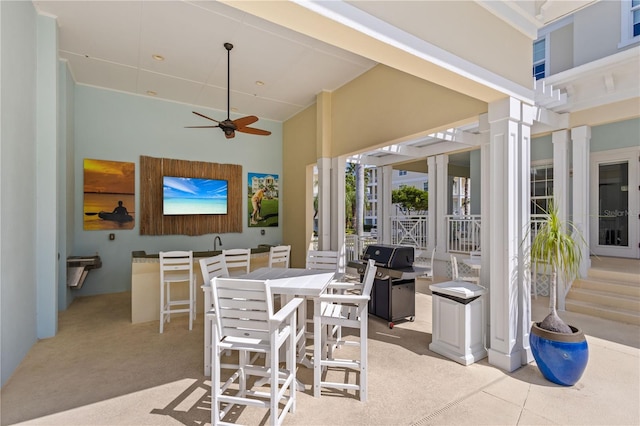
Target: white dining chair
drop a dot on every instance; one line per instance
(427, 265)
(246, 322)
(323, 260)
(335, 311)
(210, 267)
(455, 274)
(238, 261)
(177, 267)
(279, 256)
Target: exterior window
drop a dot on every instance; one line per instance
(425, 186)
(539, 58)
(630, 22)
(402, 173)
(541, 190)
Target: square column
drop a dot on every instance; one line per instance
(509, 184)
(442, 198)
(383, 195)
(433, 203)
(560, 141)
(338, 166)
(324, 203)
(581, 138)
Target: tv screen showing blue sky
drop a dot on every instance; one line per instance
(183, 196)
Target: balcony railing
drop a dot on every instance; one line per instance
(463, 233)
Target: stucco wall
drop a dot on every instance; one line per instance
(18, 171)
(561, 54)
(596, 32)
(120, 127)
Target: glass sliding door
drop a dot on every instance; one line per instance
(615, 228)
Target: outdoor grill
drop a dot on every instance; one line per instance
(393, 296)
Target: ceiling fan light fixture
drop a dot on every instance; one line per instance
(229, 126)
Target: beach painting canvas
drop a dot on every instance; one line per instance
(109, 195)
(262, 199)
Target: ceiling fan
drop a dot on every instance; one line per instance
(228, 126)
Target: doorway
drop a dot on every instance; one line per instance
(614, 224)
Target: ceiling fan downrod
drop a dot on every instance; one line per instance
(228, 46)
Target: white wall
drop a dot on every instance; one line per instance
(18, 173)
(121, 127)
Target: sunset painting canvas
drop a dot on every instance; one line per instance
(109, 195)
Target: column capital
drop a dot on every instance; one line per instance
(560, 136)
(505, 109)
(581, 133)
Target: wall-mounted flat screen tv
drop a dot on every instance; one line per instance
(185, 196)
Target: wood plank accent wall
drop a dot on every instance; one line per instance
(153, 222)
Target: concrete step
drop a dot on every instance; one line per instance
(605, 298)
(596, 310)
(630, 277)
(608, 285)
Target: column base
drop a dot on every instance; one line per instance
(510, 362)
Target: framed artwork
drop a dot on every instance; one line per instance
(262, 199)
(109, 195)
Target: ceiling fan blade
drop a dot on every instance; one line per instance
(200, 127)
(254, 131)
(204, 116)
(245, 121)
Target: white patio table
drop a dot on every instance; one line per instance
(288, 282)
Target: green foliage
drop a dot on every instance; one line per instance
(554, 246)
(410, 199)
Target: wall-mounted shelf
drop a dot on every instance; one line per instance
(78, 267)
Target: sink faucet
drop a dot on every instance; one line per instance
(216, 240)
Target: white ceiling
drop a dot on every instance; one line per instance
(110, 44)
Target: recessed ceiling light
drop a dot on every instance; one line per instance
(158, 57)
(234, 109)
(151, 93)
(259, 83)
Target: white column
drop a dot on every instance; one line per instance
(385, 186)
(560, 140)
(324, 203)
(338, 165)
(433, 203)
(442, 193)
(485, 203)
(581, 137)
(509, 184)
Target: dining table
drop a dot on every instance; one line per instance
(474, 262)
(288, 283)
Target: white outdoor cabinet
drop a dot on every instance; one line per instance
(458, 322)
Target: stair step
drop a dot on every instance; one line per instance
(616, 276)
(615, 314)
(608, 285)
(605, 298)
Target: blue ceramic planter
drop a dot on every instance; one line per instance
(561, 358)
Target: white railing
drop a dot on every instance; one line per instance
(355, 246)
(410, 230)
(463, 233)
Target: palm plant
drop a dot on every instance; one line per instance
(556, 247)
